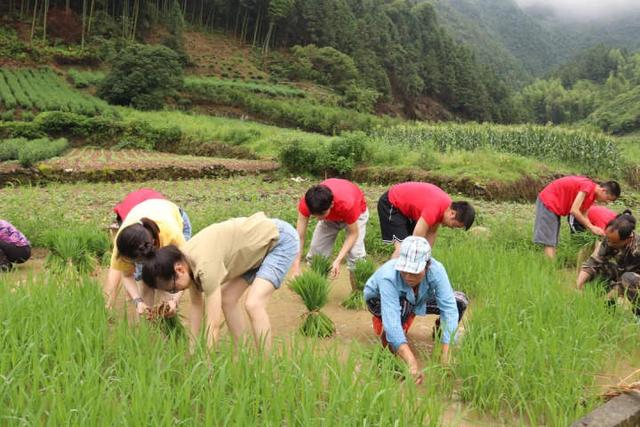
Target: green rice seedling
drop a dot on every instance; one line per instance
(313, 288)
(364, 269)
(320, 264)
(78, 248)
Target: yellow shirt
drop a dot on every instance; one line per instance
(228, 249)
(165, 214)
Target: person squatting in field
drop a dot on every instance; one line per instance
(337, 204)
(569, 195)
(253, 253)
(14, 246)
(146, 226)
(616, 260)
(412, 284)
(418, 209)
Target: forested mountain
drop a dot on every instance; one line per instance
(520, 43)
(397, 49)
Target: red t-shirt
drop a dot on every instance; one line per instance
(600, 216)
(348, 201)
(559, 195)
(417, 200)
(134, 198)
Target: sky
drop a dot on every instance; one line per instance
(586, 9)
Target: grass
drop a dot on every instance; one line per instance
(264, 140)
(29, 152)
(63, 363)
(532, 347)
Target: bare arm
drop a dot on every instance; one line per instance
(301, 227)
(422, 228)
(195, 314)
(405, 353)
(583, 277)
(352, 237)
(432, 234)
(581, 217)
(111, 286)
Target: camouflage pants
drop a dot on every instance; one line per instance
(624, 284)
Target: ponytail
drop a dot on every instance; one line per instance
(161, 265)
(139, 240)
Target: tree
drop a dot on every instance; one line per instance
(143, 76)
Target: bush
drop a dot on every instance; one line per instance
(324, 65)
(360, 98)
(142, 76)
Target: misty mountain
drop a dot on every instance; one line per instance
(523, 43)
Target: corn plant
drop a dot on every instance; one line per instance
(313, 288)
(364, 269)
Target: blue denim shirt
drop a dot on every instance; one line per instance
(387, 284)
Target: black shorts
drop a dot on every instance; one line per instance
(393, 224)
(574, 225)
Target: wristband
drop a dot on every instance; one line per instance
(137, 301)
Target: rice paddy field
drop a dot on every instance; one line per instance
(532, 350)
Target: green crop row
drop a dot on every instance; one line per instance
(275, 90)
(296, 113)
(28, 152)
(83, 79)
(592, 152)
(43, 90)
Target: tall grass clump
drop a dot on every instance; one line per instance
(242, 87)
(320, 264)
(364, 269)
(28, 152)
(77, 248)
(63, 363)
(533, 346)
(313, 288)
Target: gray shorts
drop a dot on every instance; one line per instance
(324, 237)
(547, 226)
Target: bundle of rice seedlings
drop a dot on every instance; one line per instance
(169, 326)
(320, 264)
(313, 288)
(363, 270)
(68, 251)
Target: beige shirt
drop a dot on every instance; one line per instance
(226, 250)
(165, 214)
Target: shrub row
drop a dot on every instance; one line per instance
(290, 113)
(338, 157)
(105, 130)
(28, 152)
(274, 90)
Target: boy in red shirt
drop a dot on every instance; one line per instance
(599, 216)
(418, 209)
(569, 195)
(337, 204)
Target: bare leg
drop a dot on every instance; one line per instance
(550, 251)
(111, 287)
(256, 304)
(215, 317)
(231, 293)
(352, 280)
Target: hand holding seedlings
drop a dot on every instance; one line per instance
(335, 270)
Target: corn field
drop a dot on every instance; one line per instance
(43, 90)
(593, 152)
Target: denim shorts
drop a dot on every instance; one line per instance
(276, 264)
(186, 232)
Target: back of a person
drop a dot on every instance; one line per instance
(346, 197)
(600, 216)
(158, 210)
(133, 199)
(411, 198)
(10, 234)
(241, 243)
(559, 195)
